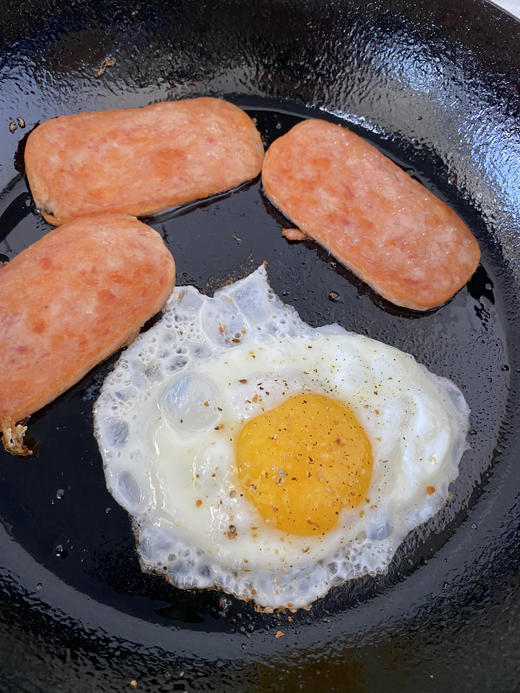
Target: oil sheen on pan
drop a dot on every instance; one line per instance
(213, 247)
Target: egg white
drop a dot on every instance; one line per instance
(169, 414)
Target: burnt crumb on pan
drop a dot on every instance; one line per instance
(12, 126)
(20, 121)
(294, 234)
(333, 295)
(107, 62)
(13, 437)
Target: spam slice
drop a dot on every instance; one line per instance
(372, 216)
(69, 301)
(140, 160)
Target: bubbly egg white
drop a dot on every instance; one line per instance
(169, 414)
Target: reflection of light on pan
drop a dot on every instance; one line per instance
(442, 612)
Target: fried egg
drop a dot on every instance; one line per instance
(269, 459)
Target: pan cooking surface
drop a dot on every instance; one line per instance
(70, 582)
(56, 506)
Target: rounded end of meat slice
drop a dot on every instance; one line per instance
(68, 302)
(435, 279)
(384, 226)
(140, 161)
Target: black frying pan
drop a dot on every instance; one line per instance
(436, 85)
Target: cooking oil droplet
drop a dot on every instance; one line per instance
(60, 552)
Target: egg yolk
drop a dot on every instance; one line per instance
(301, 463)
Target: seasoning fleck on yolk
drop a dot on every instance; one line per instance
(301, 463)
